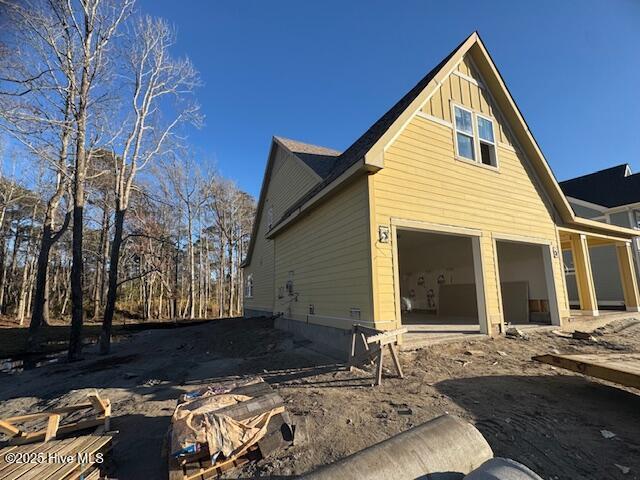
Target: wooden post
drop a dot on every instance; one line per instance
(584, 274)
(379, 366)
(396, 360)
(628, 277)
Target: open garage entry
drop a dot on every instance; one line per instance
(526, 283)
(438, 282)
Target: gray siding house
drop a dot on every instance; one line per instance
(612, 196)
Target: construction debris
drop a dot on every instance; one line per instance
(622, 468)
(578, 335)
(621, 368)
(607, 434)
(225, 425)
(52, 424)
(84, 457)
(513, 332)
(36, 436)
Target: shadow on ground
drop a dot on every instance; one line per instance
(539, 421)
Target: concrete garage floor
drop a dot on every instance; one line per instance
(426, 328)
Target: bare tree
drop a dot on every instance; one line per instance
(95, 23)
(156, 77)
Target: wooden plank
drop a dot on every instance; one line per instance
(38, 470)
(392, 334)
(9, 429)
(6, 467)
(604, 366)
(61, 410)
(98, 404)
(52, 427)
(86, 471)
(63, 429)
(379, 367)
(90, 445)
(396, 360)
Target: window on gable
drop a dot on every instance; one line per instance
(475, 139)
(487, 142)
(464, 133)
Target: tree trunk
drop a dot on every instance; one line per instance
(192, 270)
(112, 288)
(98, 285)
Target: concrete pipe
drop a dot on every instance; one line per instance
(502, 469)
(445, 448)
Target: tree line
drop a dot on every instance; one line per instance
(114, 214)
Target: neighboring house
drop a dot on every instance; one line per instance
(444, 216)
(612, 196)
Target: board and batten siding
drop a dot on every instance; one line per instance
(326, 257)
(423, 181)
(290, 180)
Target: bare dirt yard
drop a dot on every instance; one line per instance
(549, 419)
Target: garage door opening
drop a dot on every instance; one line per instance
(438, 286)
(526, 283)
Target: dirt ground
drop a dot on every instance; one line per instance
(546, 418)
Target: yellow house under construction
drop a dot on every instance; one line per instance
(444, 216)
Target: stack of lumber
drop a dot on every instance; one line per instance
(38, 446)
(97, 409)
(261, 407)
(73, 458)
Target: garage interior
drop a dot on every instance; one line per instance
(523, 283)
(437, 283)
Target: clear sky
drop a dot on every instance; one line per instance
(323, 71)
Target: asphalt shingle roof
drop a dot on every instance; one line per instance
(321, 160)
(611, 187)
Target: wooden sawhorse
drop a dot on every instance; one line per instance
(374, 341)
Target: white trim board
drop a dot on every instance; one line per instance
(584, 203)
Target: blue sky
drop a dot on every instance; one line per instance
(324, 71)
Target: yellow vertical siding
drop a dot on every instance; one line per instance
(326, 256)
(422, 181)
(290, 179)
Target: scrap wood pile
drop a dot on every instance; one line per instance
(44, 444)
(224, 426)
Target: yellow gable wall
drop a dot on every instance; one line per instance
(290, 179)
(326, 257)
(422, 181)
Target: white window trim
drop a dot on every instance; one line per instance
(494, 143)
(456, 131)
(477, 160)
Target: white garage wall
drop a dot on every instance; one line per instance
(429, 256)
(523, 262)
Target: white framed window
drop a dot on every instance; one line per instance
(464, 133)
(248, 287)
(486, 140)
(474, 137)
